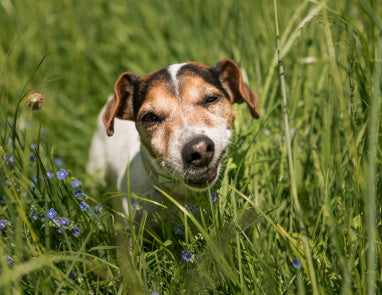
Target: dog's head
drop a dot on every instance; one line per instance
(184, 116)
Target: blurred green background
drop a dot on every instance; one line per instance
(73, 51)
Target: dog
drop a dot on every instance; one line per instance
(172, 126)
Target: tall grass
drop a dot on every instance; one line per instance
(298, 209)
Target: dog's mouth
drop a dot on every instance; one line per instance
(206, 178)
(203, 180)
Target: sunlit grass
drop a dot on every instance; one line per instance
(298, 210)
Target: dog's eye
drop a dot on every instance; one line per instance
(211, 100)
(150, 119)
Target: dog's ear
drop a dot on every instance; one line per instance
(232, 81)
(121, 106)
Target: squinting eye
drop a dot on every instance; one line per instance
(211, 99)
(150, 119)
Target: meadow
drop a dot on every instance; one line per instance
(298, 209)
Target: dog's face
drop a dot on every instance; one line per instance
(184, 116)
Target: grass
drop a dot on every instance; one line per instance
(311, 191)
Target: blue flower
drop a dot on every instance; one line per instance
(99, 209)
(178, 230)
(186, 256)
(26, 195)
(57, 221)
(51, 213)
(75, 231)
(58, 161)
(296, 263)
(59, 231)
(8, 182)
(190, 208)
(77, 183)
(196, 256)
(73, 277)
(8, 259)
(212, 197)
(10, 159)
(35, 178)
(64, 221)
(90, 213)
(2, 224)
(83, 206)
(33, 147)
(42, 218)
(62, 174)
(32, 158)
(78, 193)
(100, 255)
(154, 293)
(49, 174)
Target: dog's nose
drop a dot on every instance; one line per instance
(199, 151)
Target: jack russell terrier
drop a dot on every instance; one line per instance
(172, 128)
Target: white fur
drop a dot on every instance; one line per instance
(110, 155)
(219, 135)
(173, 70)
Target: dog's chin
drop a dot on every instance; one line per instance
(203, 181)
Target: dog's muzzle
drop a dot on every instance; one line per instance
(197, 156)
(198, 152)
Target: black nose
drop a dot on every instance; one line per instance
(198, 152)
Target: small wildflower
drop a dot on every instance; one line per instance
(77, 183)
(33, 147)
(196, 256)
(3, 197)
(62, 174)
(178, 230)
(9, 182)
(75, 231)
(266, 132)
(32, 158)
(213, 196)
(42, 218)
(49, 174)
(296, 263)
(59, 231)
(155, 192)
(25, 194)
(155, 293)
(90, 213)
(58, 161)
(99, 209)
(190, 208)
(186, 256)
(35, 178)
(134, 207)
(56, 221)
(73, 277)
(2, 224)
(64, 221)
(78, 193)
(51, 213)
(8, 259)
(83, 206)
(35, 101)
(10, 159)
(100, 255)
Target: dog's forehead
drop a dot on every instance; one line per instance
(169, 78)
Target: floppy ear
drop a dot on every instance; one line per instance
(121, 106)
(232, 81)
